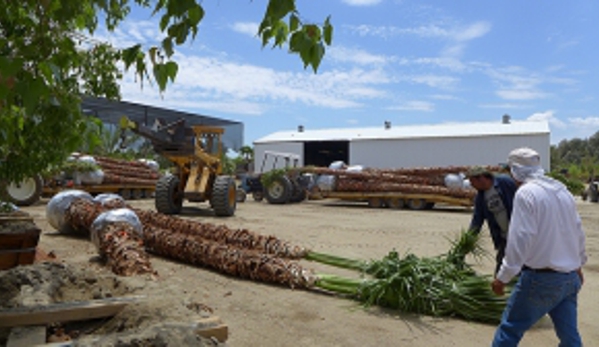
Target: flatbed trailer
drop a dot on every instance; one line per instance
(397, 200)
(127, 191)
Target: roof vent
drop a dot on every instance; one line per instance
(506, 119)
(300, 128)
(387, 124)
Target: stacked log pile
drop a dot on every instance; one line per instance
(119, 171)
(421, 180)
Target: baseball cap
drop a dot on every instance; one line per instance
(477, 171)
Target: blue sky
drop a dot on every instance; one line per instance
(405, 61)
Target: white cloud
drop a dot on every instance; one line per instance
(517, 84)
(471, 32)
(361, 2)
(548, 116)
(352, 121)
(444, 97)
(415, 105)
(131, 33)
(358, 56)
(447, 62)
(592, 122)
(442, 82)
(246, 28)
(520, 94)
(248, 89)
(455, 33)
(503, 106)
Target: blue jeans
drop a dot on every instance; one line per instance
(537, 294)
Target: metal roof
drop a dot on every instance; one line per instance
(111, 111)
(411, 132)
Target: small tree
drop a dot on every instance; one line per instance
(47, 61)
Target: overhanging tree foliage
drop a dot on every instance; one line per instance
(47, 61)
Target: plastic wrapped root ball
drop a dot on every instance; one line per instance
(110, 200)
(326, 182)
(121, 215)
(337, 165)
(152, 164)
(92, 177)
(454, 181)
(58, 205)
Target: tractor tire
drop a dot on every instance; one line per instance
(224, 196)
(169, 197)
(593, 192)
(279, 191)
(25, 193)
(298, 194)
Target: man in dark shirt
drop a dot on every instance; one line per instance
(493, 203)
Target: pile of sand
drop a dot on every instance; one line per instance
(161, 320)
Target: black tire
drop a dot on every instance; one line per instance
(258, 196)
(126, 194)
(224, 196)
(25, 193)
(417, 204)
(241, 195)
(169, 196)
(299, 193)
(396, 203)
(137, 194)
(376, 202)
(593, 193)
(279, 191)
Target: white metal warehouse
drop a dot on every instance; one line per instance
(481, 143)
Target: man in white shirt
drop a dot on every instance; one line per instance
(546, 245)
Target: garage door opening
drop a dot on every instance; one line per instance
(323, 153)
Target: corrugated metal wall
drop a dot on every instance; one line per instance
(489, 150)
(414, 152)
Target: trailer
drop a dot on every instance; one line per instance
(395, 200)
(127, 191)
(31, 189)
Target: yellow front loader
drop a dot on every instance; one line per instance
(196, 152)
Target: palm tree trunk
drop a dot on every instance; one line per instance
(119, 243)
(240, 238)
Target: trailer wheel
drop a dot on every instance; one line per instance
(224, 196)
(25, 193)
(258, 196)
(169, 197)
(376, 202)
(417, 204)
(279, 191)
(136, 194)
(241, 195)
(396, 203)
(126, 193)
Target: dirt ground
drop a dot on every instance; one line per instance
(268, 315)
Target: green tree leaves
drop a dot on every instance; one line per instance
(48, 60)
(306, 40)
